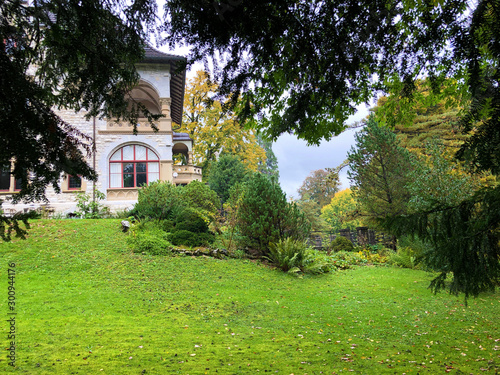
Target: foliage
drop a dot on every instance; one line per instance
(270, 166)
(341, 243)
(201, 198)
(226, 172)
(339, 213)
(65, 55)
(190, 239)
(215, 128)
(432, 116)
(318, 188)
(309, 64)
(379, 169)
(152, 241)
(436, 178)
(296, 256)
(265, 216)
(183, 211)
(466, 238)
(9, 225)
(88, 208)
(312, 211)
(229, 235)
(159, 200)
(287, 254)
(343, 260)
(405, 257)
(192, 224)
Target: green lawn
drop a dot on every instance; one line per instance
(87, 305)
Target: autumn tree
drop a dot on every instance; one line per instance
(340, 212)
(433, 117)
(312, 211)
(318, 188)
(215, 128)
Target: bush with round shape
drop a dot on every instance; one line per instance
(341, 244)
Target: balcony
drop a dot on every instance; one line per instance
(184, 174)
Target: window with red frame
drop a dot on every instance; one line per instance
(133, 166)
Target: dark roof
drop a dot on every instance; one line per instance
(177, 81)
(181, 137)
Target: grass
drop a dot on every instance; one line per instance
(87, 305)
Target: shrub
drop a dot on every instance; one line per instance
(192, 223)
(87, 208)
(159, 200)
(405, 257)
(202, 199)
(316, 262)
(226, 172)
(341, 243)
(287, 254)
(345, 260)
(153, 241)
(264, 215)
(166, 225)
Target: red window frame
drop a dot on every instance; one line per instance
(134, 173)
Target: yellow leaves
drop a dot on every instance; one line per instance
(214, 128)
(339, 213)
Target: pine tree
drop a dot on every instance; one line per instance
(378, 172)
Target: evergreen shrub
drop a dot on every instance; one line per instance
(152, 241)
(341, 243)
(190, 239)
(265, 216)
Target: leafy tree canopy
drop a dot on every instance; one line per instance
(318, 187)
(311, 62)
(339, 213)
(216, 128)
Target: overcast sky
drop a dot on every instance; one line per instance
(296, 160)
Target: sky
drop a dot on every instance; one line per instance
(296, 160)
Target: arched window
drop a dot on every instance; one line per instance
(133, 166)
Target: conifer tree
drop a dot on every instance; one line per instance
(379, 169)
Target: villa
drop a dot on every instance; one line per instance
(125, 161)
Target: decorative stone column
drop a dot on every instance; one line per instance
(165, 122)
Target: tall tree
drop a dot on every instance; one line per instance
(225, 173)
(270, 165)
(318, 188)
(215, 128)
(77, 55)
(379, 169)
